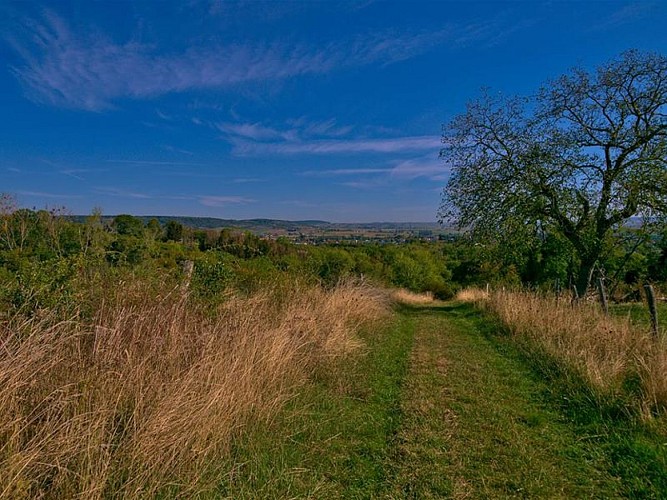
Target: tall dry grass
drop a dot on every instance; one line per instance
(146, 398)
(472, 294)
(404, 296)
(609, 353)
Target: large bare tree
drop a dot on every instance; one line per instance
(581, 158)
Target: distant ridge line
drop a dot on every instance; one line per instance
(259, 224)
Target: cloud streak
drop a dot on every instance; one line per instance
(202, 199)
(428, 167)
(347, 146)
(42, 194)
(629, 13)
(141, 163)
(345, 172)
(223, 201)
(89, 70)
(425, 167)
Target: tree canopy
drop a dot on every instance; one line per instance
(580, 158)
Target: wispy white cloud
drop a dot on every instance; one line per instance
(365, 184)
(155, 163)
(255, 131)
(163, 115)
(629, 13)
(428, 166)
(248, 180)
(424, 167)
(383, 145)
(192, 174)
(206, 200)
(223, 201)
(89, 70)
(304, 136)
(345, 172)
(42, 194)
(327, 128)
(77, 173)
(243, 135)
(123, 193)
(300, 204)
(173, 149)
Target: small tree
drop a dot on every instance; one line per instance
(128, 225)
(579, 159)
(94, 235)
(154, 229)
(174, 231)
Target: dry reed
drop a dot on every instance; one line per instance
(607, 352)
(145, 398)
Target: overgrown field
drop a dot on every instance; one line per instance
(147, 394)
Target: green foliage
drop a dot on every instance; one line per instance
(154, 229)
(212, 276)
(126, 250)
(330, 265)
(173, 231)
(658, 262)
(128, 225)
(33, 287)
(541, 258)
(578, 161)
(253, 275)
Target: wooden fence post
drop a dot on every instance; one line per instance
(603, 296)
(650, 297)
(188, 267)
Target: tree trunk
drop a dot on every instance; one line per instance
(584, 277)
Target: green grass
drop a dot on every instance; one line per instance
(443, 405)
(480, 423)
(632, 451)
(638, 313)
(338, 446)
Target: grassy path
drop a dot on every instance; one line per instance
(437, 408)
(476, 425)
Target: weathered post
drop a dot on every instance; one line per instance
(650, 297)
(603, 296)
(575, 295)
(188, 268)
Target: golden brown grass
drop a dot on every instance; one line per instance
(146, 398)
(411, 298)
(606, 351)
(471, 295)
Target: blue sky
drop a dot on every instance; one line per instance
(287, 110)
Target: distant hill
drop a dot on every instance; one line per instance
(268, 225)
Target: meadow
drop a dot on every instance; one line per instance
(142, 361)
